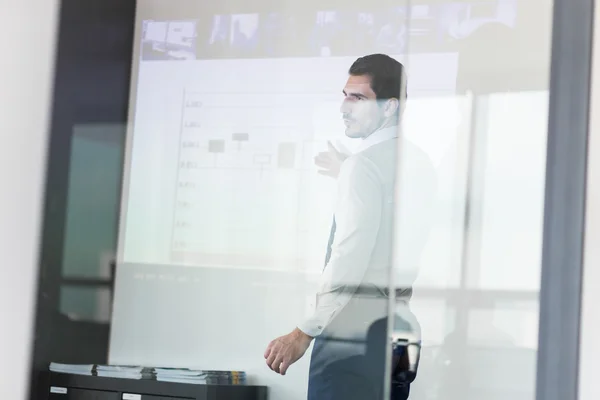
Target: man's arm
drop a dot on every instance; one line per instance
(330, 161)
(286, 350)
(358, 212)
(357, 215)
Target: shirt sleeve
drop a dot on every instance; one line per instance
(357, 215)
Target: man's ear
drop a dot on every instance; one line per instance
(391, 107)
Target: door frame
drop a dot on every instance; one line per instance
(565, 192)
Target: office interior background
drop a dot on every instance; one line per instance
(161, 206)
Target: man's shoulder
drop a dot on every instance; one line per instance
(358, 162)
(415, 160)
(411, 149)
(370, 164)
(380, 155)
(397, 155)
(393, 153)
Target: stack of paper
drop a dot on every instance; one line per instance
(179, 375)
(200, 377)
(126, 372)
(76, 369)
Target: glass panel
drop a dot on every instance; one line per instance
(93, 200)
(225, 218)
(285, 205)
(511, 238)
(476, 296)
(85, 303)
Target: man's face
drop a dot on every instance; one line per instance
(360, 109)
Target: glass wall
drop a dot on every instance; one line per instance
(476, 296)
(329, 200)
(91, 221)
(225, 219)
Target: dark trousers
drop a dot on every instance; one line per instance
(346, 370)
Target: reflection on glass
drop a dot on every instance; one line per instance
(93, 200)
(225, 219)
(476, 296)
(85, 304)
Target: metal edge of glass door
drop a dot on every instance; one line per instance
(564, 206)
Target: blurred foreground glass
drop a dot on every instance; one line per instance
(476, 297)
(225, 219)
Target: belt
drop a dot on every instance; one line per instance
(403, 294)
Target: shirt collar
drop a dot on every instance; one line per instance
(377, 137)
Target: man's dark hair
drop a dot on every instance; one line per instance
(387, 75)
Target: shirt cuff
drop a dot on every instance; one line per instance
(311, 327)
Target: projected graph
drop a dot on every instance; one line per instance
(232, 128)
(243, 159)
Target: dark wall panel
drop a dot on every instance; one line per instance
(91, 86)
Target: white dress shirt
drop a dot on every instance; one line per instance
(366, 214)
(377, 137)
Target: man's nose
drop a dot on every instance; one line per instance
(344, 107)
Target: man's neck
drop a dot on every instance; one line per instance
(378, 136)
(384, 127)
(389, 124)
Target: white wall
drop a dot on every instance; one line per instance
(28, 29)
(590, 317)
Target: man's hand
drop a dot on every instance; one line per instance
(330, 161)
(286, 350)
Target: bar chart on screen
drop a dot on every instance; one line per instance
(246, 164)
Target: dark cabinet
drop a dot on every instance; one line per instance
(56, 386)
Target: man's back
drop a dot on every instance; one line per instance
(396, 182)
(407, 180)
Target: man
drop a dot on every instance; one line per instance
(353, 291)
